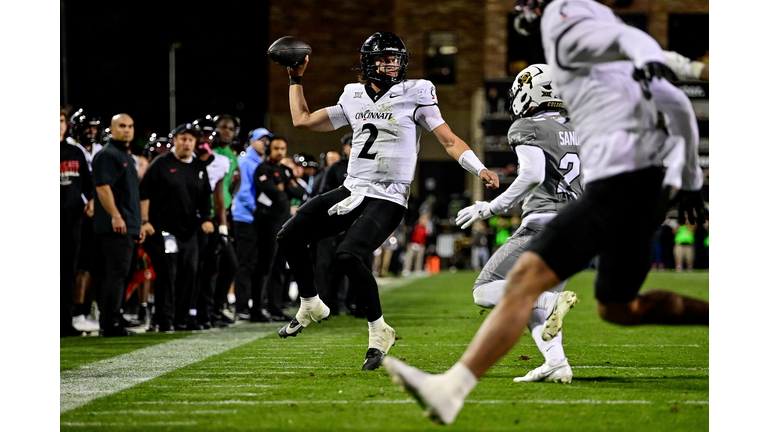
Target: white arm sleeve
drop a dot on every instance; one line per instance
(532, 171)
(584, 34)
(336, 114)
(671, 101)
(429, 117)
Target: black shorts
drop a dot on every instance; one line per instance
(614, 220)
(366, 226)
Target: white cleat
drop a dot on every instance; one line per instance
(554, 323)
(83, 324)
(379, 343)
(561, 373)
(303, 317)
(432, 392)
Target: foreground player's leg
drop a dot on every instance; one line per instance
(443, 395)
(656, 307)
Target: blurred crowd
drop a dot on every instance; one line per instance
(178, 233)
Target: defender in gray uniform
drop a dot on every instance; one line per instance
(549, 178)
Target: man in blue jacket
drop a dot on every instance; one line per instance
(243, 208)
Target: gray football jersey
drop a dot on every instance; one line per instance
(562, 181)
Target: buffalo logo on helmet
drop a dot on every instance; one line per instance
(527, 79)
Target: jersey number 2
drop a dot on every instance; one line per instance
(572, 163)
(374, 133)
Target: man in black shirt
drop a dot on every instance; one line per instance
(175, 200)
(116, 221)
(75, 180)
(275, 186)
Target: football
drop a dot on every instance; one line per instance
(289, 51)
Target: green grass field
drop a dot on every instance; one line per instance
(246, 378)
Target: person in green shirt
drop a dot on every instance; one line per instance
(683, 250)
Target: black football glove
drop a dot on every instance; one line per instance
(221, 244)
(689, 205)
(652, 70)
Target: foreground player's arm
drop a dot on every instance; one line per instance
(459, 150)
(532, 172)
(582, 37)
(302, 118)
(682, 122)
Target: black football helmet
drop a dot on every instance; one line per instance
(383, 44)
(156, 146)
(85, 128)
(208, 134)
(527, 19)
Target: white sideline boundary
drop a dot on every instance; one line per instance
(102, 378)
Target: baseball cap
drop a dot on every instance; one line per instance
(186, 128)
(258, 133)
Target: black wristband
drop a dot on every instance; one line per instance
(296, 80)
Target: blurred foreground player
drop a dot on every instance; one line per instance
(549, 178)
(613, 80)
(386, 113)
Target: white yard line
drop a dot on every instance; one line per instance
(82, 385)
(407, 401)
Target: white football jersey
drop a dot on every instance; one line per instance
(593, 56)
(386, 131)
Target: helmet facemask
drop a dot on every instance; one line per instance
(383, 68)
(384, 59)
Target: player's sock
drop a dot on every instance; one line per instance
(377, 324)
(310, 302)
(552, 349)
(544, 301)
(460, 379)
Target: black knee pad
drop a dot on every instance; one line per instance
(346, 259)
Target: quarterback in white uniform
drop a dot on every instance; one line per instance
(386, 113)
(631, 123)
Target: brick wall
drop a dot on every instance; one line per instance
(337, 28)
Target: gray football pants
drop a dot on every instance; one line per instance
(489, 286)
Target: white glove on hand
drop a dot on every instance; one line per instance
(223, 230)
(480, 210)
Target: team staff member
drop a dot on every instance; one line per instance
(216, 263)
(175, 201)
(116, 222)
(275, 186)
(243, 207)
(75, 181)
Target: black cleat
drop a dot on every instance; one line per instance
(373, 359)
(291, 329)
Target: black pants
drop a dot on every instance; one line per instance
(247, 253)
(367, 226)
(175, 274)
(330, 280)
(113, 254)
(69, 244)
(270, 271)
(218, 266)
(614, 220)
